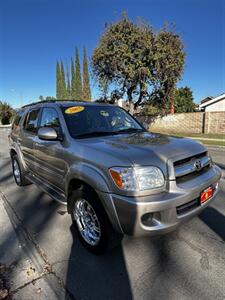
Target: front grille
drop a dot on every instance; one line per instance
(185, 160)
(187, 207)
(193, 175)
(191, 167)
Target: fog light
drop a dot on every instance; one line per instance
(147, 219)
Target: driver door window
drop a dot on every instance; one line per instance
(50, 118)
(31, 122)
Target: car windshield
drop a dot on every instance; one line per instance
(89, 121)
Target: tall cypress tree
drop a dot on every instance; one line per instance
(63, 82)
(68, 86)
(58, 81)
(86, 84)
(78, 82)
(73, 81)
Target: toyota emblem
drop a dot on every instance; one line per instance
(198, 165)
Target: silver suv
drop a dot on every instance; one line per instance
(114, 176)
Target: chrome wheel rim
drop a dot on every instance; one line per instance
(16, 171)
(87, 222)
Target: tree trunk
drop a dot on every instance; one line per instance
(172, 110)
(171, 100)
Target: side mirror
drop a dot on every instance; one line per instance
(145, 125)
(48, 134)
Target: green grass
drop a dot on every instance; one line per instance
(198, 137)
(210, 142)
(202, 135)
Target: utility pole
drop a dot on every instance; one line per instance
(21, 99)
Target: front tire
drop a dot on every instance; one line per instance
(93, 226)
(19, 172)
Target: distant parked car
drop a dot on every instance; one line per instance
(114, 176)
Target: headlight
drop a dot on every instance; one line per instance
(137, 178)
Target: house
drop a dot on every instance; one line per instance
(210, 104)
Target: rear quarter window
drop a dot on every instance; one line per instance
(17, 119)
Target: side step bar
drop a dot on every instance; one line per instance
(59, 197)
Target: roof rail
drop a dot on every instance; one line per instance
(48, 101)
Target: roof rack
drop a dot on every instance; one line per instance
(49, 101)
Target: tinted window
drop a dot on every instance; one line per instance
(32, 120)
(49, 118)
(82, 120)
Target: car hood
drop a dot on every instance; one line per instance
(146, 148)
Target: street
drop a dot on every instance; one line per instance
(186, 264)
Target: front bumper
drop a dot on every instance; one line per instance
(159, 213)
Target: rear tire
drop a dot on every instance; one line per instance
(94, 228)
(19, 172)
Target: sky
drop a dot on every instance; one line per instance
(36, 33)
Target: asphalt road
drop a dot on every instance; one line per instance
(187, 264)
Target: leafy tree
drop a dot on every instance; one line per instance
(78, 81)
(50, 98)
(68, 87)
(41, 98)
(136, 61)
(73, 81)
(120, 58)
(183, 100)
(169, 60)
(86, 84)
(63, 83)
(58, 82)
(6, 113)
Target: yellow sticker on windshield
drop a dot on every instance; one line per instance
(74, 109)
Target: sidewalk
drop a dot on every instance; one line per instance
(25, 272)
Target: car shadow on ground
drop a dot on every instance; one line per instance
(108, 276)
(214, 220)
(91, 276)
(29, 211)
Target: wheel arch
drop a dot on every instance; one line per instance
(104, 198)
(15, 150)
(12, 152)
(74, 185)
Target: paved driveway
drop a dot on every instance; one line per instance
(187, 264)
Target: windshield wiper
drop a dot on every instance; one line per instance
(102, 133)
(93, 134)
(130, 130)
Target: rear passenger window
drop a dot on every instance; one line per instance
(49, 118)
(32, 120)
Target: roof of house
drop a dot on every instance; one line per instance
(208, 101)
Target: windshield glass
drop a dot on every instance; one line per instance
(89, 121)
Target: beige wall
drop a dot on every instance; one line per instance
(198, 122)
(215, 122)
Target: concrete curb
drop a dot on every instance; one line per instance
(215, 147)
(32, 271)
(5, 126)
(205, 139)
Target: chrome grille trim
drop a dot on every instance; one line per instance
(191, 166)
